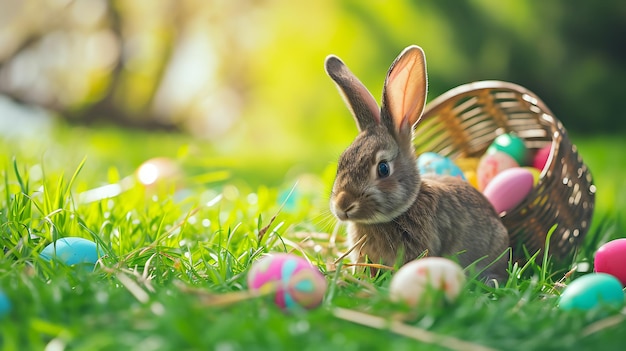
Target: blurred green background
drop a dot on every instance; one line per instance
(245, 78)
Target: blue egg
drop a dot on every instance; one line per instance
(433, 163)
(72, 251)
(5, 305)
(591, 291)
(288, 199)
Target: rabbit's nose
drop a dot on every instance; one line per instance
(344, 205)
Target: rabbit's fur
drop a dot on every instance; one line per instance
(379, 192)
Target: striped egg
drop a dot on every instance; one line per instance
(294, 282)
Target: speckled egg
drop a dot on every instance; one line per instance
(5, 304)
(509, 188)
(591, 291)
(492, 164)
(295, 281)
(611, 258)
(417, 282)
(72, 251)
(541, 157)
(511, 145)
(433, 163)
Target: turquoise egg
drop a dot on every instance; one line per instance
(5, 305)
(72, 251)
(592, 290)
(511, 145)
(433, 163)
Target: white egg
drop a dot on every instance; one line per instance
(418, 282)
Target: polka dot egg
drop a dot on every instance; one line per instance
(295, 282)
(511, 145)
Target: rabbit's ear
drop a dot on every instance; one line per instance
(359, 100)
(404, 92)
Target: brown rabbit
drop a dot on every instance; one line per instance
(380, 193)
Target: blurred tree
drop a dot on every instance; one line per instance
(148, 64)
(251, 70)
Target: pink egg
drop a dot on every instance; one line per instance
(295, 282)
(611, 258)
(509, 188)
(492, 164)
(541, 157)
(536, 174)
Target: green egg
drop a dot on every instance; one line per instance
(511, 145)
(591, 291)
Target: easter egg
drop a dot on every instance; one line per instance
(5, 304)
(416, 282)
(295, 282)
(611, 258)
(492, 164)
(159, 170)
(590, 291)
(467, 163)
(433, 163)
(511, 145)
(535, 172)
(471, 178)
(468, 166)
(509, 188)
(72, 251)
(541, 157)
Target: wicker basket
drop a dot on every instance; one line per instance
(465, 120)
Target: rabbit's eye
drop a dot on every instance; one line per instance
(383, 169)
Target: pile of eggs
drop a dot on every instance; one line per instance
(505, 174)
(419, 282)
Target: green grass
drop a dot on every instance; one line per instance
(170, 253)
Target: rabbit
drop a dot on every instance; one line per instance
(380, 193)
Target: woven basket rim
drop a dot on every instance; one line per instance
(467, 88)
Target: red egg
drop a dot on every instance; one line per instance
(541, 157)
(611, 258)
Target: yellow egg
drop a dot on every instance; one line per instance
(472, 178)
(535, 172)
(467, 163)
(468, 166)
